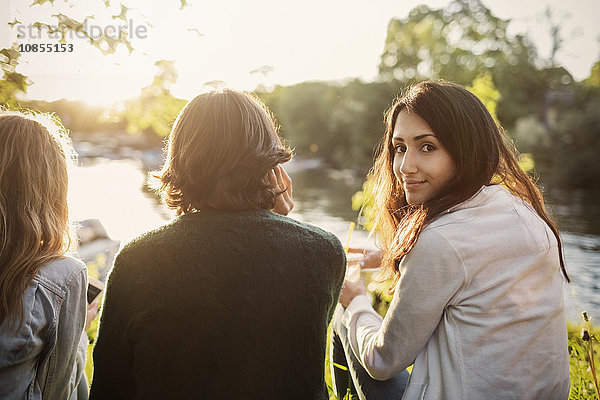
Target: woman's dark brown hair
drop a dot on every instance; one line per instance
(480, 149)
(220, 150)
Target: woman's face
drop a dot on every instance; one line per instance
(421, 164)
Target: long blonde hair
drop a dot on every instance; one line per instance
(34, 217)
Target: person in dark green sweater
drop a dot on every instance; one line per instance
(231, 299)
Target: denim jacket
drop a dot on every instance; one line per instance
(40, 360)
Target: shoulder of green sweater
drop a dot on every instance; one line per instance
(147, 243)
(327, 237)
(262, 216)
(310, 227)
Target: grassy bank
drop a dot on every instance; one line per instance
(581, 368)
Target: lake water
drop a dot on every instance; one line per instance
(114, 192)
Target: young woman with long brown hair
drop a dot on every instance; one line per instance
(42, 291)
(475, 259)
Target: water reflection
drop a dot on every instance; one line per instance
(115, 193)
(322, 198)
(111, 191)
(577, 211)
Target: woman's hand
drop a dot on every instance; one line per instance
(371, 259)
(351, 290)
(281, 181)
(92, 312)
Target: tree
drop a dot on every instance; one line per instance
(455, 43)
(340, 123)
(575, 123)
(79, 117)
(59, 25)
(461, 42)
(483, 87)
(154, 111)
(13, 84)
(593, 81)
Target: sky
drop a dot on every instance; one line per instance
(245, 44)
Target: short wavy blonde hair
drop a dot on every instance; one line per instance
(34, 216)
(220, 150)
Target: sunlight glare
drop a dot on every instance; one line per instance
(110, 191)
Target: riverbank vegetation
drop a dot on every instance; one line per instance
(584, 360)
(545, 110)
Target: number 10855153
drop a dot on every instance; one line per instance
(46, 48)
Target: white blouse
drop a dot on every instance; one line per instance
(478, 309)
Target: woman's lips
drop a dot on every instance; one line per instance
(413, 184)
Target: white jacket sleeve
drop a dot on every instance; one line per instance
(431, 274)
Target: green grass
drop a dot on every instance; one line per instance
(580, 371)
(89, 362)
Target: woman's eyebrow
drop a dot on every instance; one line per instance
(414, 139)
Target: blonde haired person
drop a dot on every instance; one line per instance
(42, 291)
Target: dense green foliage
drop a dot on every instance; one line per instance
(340, 123)
(580, 371)
(155, 110)
(13, 83)
(569, 145)
(547, 113)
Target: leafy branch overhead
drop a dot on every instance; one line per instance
(61, 27)
(154, 111)
(13, 83)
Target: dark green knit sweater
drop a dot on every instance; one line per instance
(219, 305)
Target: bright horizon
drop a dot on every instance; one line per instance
(266, 43)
